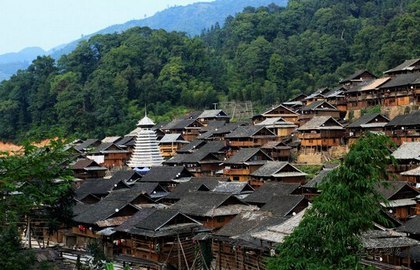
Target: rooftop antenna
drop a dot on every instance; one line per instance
(145, 110)
(215, 105)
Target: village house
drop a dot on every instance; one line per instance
(265, 193)
(408, 158)
(212, 209)
(318, 95)
(247, 160)
(249, 136)
(408, 66)
(277, 111)
(201, 159)
(170, 143)
(401, 90)
(318, 108)
(162, 236)
(277, 171)
(404, 128)
(213, 115)
(278, 126)
(87, 145)
(88, 169)
(218, 132)
(372, 122)
(357, 77)
(278, 150)
(109, 155)
(337, 98)
(321, 133)
(188, 128)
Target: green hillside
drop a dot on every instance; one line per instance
(265, 55)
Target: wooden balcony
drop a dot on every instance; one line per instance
(309, 135)
(236, 172)
(242, 144)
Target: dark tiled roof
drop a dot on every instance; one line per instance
(95, 186)
(213, 114)
(390, 188)
(192, 146)
(178, 124)
(412, 119)
(247, 132)
(235, 188)
(86, 144)
(412, 226)
(204, 203)
(270, 189)
(401, 80)
(195, 184)
(356, 75)
(244, 155)
(165, 174)
(366, 119)
(283, 205)
(126, 141)
(317, 180)
(104, 147)
(247, 222)
(406, 65)
(83, 163)
(125, 175)
(150, 222)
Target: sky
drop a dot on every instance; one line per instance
(49, 23)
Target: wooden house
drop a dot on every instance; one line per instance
(278, 150)
(404, 128)
(170, 143)
(212, 209)
(247, 160)
(277, 171)
(159, 235)
(321, 132)
(412, 176)
(109, 155)
(249, 136)
(370, 93)
(401, 90)
(407, 156)
(204, 160)
(318, 95)
(372, 122)
(277, 111)
(127, 143)
(213, 115)
(311, 188)
(278, 126)
(337, 98)
(318, 108)
(401, 198)
(357, 77)
(167, 176)
(218, 133)
(388, 248)
(88, 169)
(188, 128)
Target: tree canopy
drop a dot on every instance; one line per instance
(328, 237)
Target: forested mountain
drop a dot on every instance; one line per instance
(192, 19)
(265, 55)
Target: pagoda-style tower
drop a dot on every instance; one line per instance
(146, 150)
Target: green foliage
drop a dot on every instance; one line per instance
(374, 109)
(266, 55)
(328, 235)
(35, 184)
(310, 170)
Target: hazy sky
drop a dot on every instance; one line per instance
(49, 23)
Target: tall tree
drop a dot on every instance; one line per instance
(329, 235)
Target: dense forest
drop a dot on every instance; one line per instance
(265, 55)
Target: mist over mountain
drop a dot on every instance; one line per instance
(191, 19)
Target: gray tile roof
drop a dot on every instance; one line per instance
(411, 119)
(407, 65)
(317, 180)
(321, 122)
(244, 155)
(247, 132)
(408, 150)
(86, 144)
(273, 167)
(283, 205)
(356, 75)
(270, 189)
(165, 174)
(401, 80)
(173, 138)
(213, 114)
(320, 105)
(367, 118)
(234, 188)
(195, 184)
(412, 226)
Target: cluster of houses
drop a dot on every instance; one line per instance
(205, 192)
